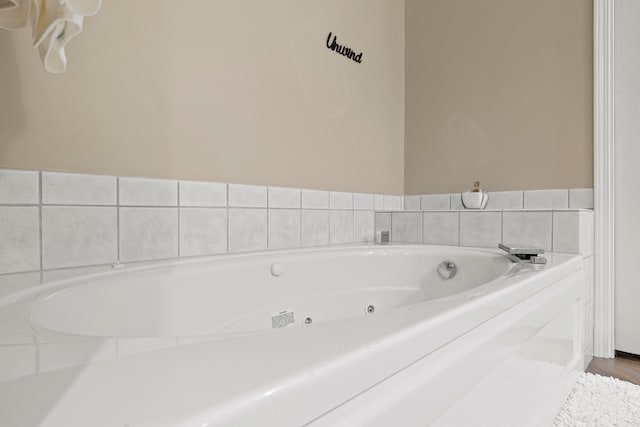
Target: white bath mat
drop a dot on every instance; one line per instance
(601, 401)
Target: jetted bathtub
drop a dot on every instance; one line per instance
(349, 336)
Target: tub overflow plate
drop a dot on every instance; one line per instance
(447, 270)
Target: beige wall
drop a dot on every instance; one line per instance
(498, 91)
(229, 90)
(245, 91)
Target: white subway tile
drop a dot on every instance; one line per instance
(363, 201)
(392, 203)
(573, 232)
(528, 228)
(406, 227)
(382, 222)
(505, 200)
(203, 231)
(78, 189)
(363, 226)
(315, 228)
(20, 241)
(203, 194)
(441, 228)
(148, 233)
(289, 198)
(340, 227)
(19, 187)
(480, 229)
(587, 233)
(247, 230)
(378, 202)
(546, 199)
(340, 200)
(411, 203)
(435, 202)
(284, 228)
(247, 196)
(314, 199)
(148, 192)
(73, 236)
(456, 202)
(581, 198)
(566, 232)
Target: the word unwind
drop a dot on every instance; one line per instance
(343, 50)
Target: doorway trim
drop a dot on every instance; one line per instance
(604, 178)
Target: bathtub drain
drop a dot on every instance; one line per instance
(371, 309)
(308, 321)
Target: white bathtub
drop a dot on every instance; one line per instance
(373, 337)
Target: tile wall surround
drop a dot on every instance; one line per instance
(574, 198)
(567, 230)
(59, 225)
(55, 225)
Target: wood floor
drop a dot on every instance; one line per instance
(622, 367)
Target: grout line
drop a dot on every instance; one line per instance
(134, 206)
(459, 221)
(189, 206)
(268, 231)
(85, 266)
(553, 217)
(286, 208)
(151, 206)
(40, 223)
(118, 219)
(375, 226)
(179, 209)
(353, 226)
(20, 272)
(227, 209)
(329, 237)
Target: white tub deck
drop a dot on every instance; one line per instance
(207, 354)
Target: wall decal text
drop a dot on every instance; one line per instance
(343, 50)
